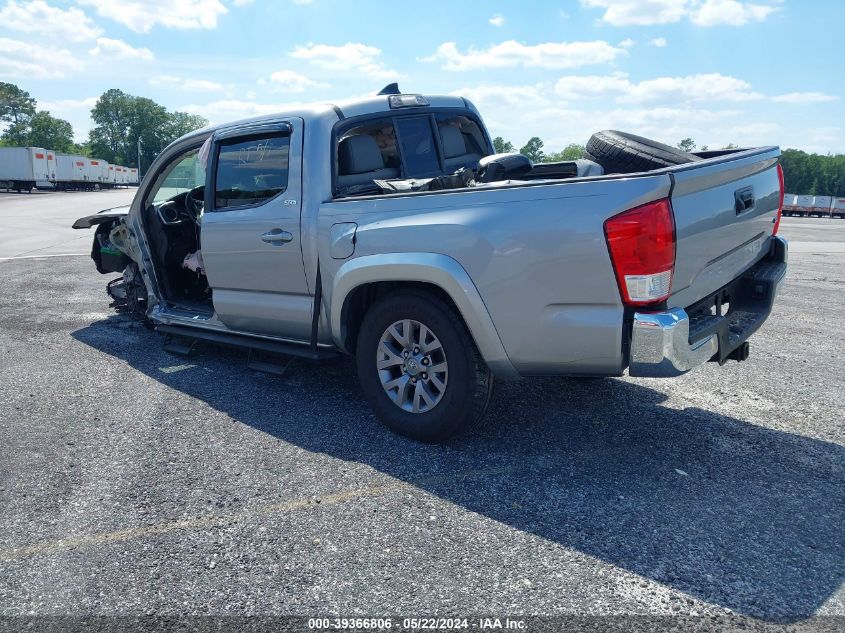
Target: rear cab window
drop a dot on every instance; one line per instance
(405, 146)
(251, 170)
(419, 152)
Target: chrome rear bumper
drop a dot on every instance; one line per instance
(660, 341)
(660, 345)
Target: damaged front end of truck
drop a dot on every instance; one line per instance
(116, 250)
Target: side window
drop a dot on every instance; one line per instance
(251, 170)
(462, 141)
(418, 149)
(367, 152)
(183, 174)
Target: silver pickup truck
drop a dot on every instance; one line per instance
(387, 228)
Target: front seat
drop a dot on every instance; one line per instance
(455, 150)
(360, 162)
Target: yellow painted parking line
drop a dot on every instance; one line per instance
(214, 520)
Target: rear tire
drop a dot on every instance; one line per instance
(401, 336)
(622, 153)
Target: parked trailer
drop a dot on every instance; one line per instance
(821, 206)
(804, 205)
(72, 172)
(25, 168)
(838, 209)
(22, 167)
(94, 171)
(789, 204)
(50, 182)
(104, 181)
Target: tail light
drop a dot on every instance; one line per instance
(780, 203)
(641, 242)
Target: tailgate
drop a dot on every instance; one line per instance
(725, 210)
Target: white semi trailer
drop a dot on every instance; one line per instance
(807, 206)
(22, 168)
(73, 172)
(25, 168)
(94, 172)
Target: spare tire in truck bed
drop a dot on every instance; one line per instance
(622, 153)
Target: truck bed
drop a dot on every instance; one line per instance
(537, 253)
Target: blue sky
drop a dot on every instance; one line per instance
(719, 71)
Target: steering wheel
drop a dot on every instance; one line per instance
(195, 202)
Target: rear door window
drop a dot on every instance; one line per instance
(416, 142)
(251, 170)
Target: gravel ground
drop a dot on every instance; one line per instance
(136, 482)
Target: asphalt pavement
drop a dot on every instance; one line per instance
(136, 482)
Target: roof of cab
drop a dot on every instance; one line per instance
(331, 112)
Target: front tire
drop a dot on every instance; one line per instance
(419, 367)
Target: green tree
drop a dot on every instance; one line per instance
(813, 173)
(501, 146)
(50, 132)
(533, 149)
(111, 115)
(573, 151)
(686, 145)
(150, 123)
(181, 123)
(17, 108)
(122, 120)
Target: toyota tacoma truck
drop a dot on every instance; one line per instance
(388, 229)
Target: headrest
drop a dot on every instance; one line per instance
(452, 141)
(359, 154)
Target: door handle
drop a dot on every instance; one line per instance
(743, 199)
(276, 236)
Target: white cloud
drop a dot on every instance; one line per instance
(692, 88)
(627, 43)
(143, 15)
(39, 17)
(510, 95)
(189, 85)
(288, 81)
(805, 97)
(354, 57)
(76, 111)
(639, 12)
(517, 112)
(511, 54)
(36, 61)
(730, 12)
(700, 12)
(242, 3)
(120, 50)
(658, 42)
(704, 87)
(591, 86)
(227, 110)
(497, 20)
(64, 106)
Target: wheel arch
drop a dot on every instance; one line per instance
(361, 281)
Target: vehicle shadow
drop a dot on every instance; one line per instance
(730, 512)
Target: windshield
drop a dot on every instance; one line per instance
(183, 175)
